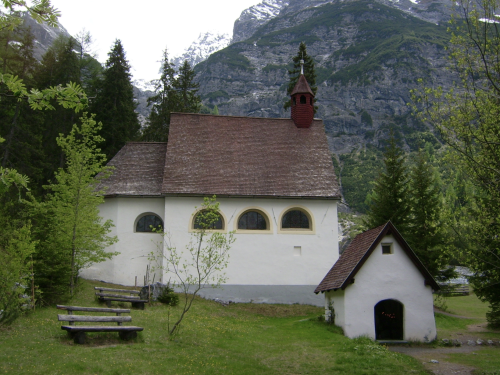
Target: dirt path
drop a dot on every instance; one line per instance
(429, 356)
(436, 360)
(436, 310)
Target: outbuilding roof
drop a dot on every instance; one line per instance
(352, 259)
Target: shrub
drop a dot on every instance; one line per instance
(168, 297)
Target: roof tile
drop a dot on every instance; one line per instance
(138, 169)
(227, 155)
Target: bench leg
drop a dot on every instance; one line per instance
(79, 337)
(139, 305)
(127, 335)
(108, 303)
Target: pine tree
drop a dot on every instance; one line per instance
(59, 66)
(114, 105)
(390, 199)
(186, 90)
(294, 73)
(163, 102)
(425, 234)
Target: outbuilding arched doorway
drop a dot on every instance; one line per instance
(389, 320)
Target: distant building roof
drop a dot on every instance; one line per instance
(138, 169)
(245, 156)
(302, 86)
(352, 259)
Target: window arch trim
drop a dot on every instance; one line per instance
(307, 212)
(139, 217)
(264, 214)
(191, 228)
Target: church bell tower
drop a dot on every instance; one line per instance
(302, 101)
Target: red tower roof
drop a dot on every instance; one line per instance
(302, 87)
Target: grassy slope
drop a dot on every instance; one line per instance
(238, 339)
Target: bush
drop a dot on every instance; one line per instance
(168, 297)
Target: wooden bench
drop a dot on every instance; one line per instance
(78, 332)
(109, 294)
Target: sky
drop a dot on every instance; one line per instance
(147, 27)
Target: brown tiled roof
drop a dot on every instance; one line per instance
(241, 156)
(138, 169)
(352, 259)
(302, 86)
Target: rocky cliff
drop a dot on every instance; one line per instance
(368, 54)
(44, 34)
(254, 17)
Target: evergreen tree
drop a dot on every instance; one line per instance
(425, 234)
(59, 66)
(294, 73)
(163, 102)
(390, 199)
(114, 105)
(90, 68)
(186, 88)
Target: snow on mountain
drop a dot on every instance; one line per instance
(266, 10)
(255, 16)
(206, 44)
(143, 85)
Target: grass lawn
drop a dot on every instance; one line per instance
(485, 359)
(237, 339)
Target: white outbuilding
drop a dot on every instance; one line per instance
(379, 288)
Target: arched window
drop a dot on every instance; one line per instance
(252, 220)
(294, 100)
(198, 222)
(303, 99)
(295, 219)
(147, 222)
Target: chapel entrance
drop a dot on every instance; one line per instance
(389, 320)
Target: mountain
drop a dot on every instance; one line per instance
(254, 17)
(200, 49)
(368, 54)
(44, 34)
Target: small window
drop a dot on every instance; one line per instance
(294, 100)
(148, 222)
(303, 99)
(252, 220)
(295, 219)
(386, 249)
(215, 224)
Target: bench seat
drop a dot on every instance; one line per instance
(101, 328)
(110, 296)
